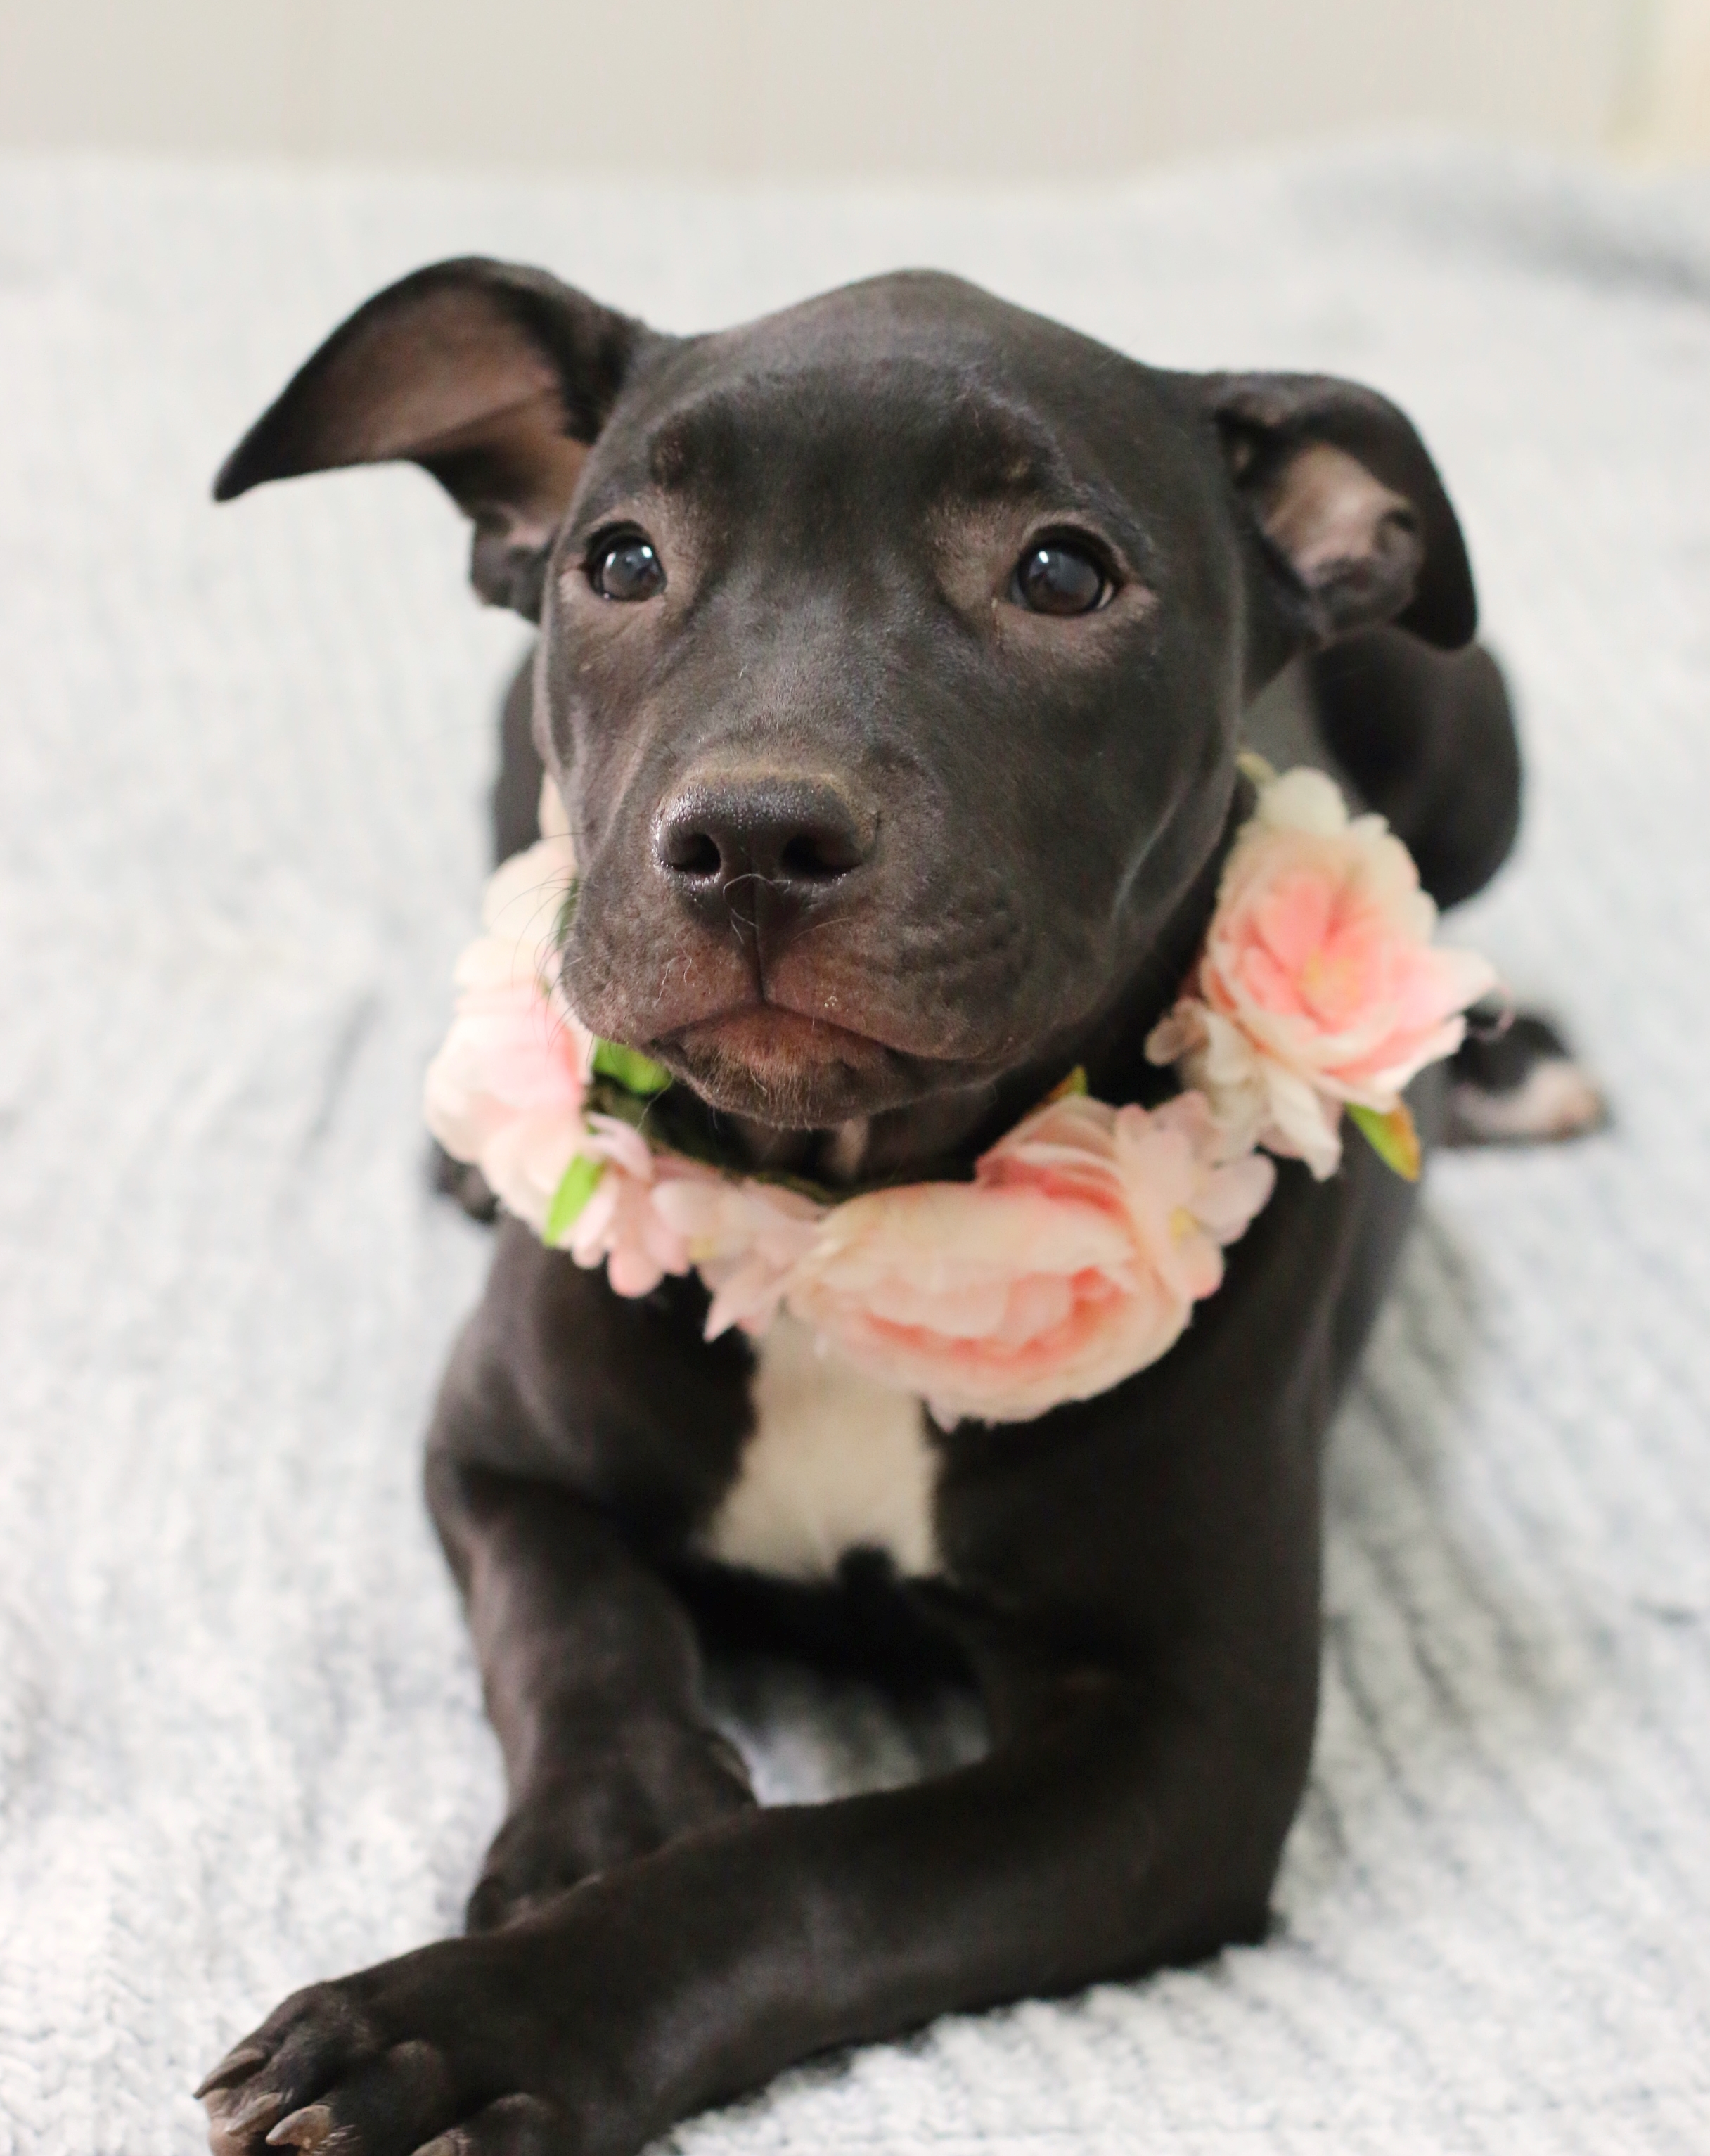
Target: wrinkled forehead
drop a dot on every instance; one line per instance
(915, 388)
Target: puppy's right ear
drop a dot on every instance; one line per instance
(493, 378)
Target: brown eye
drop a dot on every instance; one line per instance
(1059, 578)
(626, 567)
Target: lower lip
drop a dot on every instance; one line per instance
(772, 1040)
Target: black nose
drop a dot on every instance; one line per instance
(794, 836)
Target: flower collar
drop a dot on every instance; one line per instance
(1075, 1254)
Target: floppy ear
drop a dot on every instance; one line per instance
(1352, 519)
(493, 378)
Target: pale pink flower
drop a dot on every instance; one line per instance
(622, 1225)
(554, 816)
(507, 1088)
(745, 1240)
(1073, 1260)
(1318, 985)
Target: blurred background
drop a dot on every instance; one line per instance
(974, 89)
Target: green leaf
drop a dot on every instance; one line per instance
(1256, 769)
(578, 1184)
(1067, 1089)
(628, 1068)
(1395, 1138)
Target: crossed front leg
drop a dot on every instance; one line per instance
(591, 1670)
(1135, 1580)
(1109, 1839)
(1132, 1812)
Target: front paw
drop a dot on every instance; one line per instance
(421, 2056)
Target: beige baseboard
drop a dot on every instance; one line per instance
(979, 89)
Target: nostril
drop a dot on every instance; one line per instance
(819, 856)
(691, 852)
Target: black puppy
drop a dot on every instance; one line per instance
(896, 654)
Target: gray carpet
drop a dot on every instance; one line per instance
(241, 758)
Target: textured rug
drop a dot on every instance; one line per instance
(241, 763)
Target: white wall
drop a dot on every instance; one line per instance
(980, 88)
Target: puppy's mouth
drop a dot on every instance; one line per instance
(793, 1072)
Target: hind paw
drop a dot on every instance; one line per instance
(1522, 1087)
(464, 1184)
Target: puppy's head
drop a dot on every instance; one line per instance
(894, 647)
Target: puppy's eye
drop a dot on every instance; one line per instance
(1059, 577)
(626, 567)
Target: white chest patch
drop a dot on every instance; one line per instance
(835, 1461)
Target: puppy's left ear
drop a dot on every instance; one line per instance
(494, 378)
(1352, 517)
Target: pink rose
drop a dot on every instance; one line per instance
(1073, 1260)
(622, 1226)
(745, 1240)
(507, 1088)
(1318, 985)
